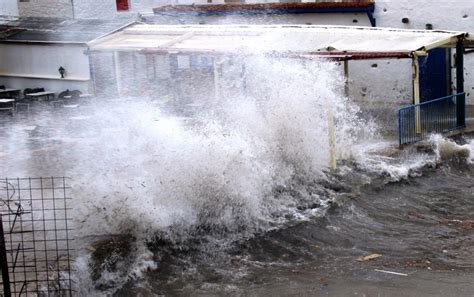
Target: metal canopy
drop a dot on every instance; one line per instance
(59, 31)
(336, 42)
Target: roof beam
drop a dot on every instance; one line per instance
(449, 42)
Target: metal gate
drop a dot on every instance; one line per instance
(35, 244)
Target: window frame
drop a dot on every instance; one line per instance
(119, 3)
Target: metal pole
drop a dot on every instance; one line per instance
(117, 73)
(216, 81)
(332, 139)
(346, 77)
(4, 262)
(416, 92)
(73, 13)
(175, 78)
(460, 100)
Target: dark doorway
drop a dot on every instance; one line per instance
(435, 74)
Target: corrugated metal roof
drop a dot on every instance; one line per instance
(56, 30)
(351, 42)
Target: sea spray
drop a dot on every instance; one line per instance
(412, 160)
(219, 168)
(245, 163)
(447, 149)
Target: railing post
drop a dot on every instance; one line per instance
(461, 98)
(400, 127)
(4, 263)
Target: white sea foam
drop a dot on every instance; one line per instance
(409, 163)
(447, 149)
(219, 168)
(138, 170)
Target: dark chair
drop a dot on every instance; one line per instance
(31, 91)
(27, 91)
(76, 94)
(64, 94)
(2, 87)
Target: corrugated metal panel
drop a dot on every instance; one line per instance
(56, 30)
(355, 42)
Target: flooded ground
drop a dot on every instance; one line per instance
(413, 210)
(422, 227)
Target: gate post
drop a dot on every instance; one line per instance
(4, 262)
(461, 99)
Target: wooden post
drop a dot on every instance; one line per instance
(416, 92)
(216, 81)
(117, 73)
(175, 79)
(346, 76)
(244, 78)
(332, 140)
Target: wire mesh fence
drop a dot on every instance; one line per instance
(36, 237)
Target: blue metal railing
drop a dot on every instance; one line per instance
(416, 122)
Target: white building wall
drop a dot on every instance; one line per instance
(148, 5)
(30, 66)
(347, 19)
(46, 8)
(95, 9)
(371, 81)
(390, 81)
(9, 7)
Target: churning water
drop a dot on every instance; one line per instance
(234, 194)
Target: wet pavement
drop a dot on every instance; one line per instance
(422, 226)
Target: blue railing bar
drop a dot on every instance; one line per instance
(437, 116)
(431, 101)
(400, 127)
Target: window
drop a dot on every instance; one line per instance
(122, 5)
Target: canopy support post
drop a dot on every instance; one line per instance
(372, 20)
(216, 81)
(346, 78)
(461, 99)
(332, 138)
(416, 92)
(117, 73)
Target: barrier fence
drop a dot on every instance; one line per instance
(416, 122)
